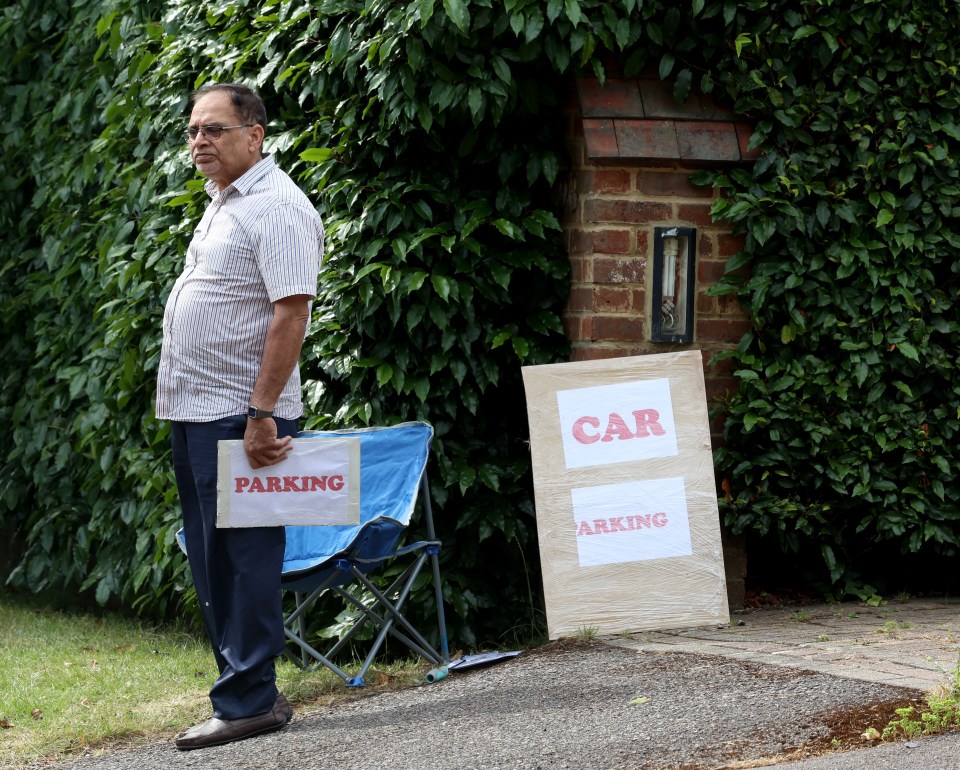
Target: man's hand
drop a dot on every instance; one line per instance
(261, 444)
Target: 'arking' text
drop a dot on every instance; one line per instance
(622, 524)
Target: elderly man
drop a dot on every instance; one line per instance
(233, 328)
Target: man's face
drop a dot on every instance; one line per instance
(226, 159)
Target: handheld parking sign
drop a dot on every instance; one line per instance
(317, 484)
(626, 500)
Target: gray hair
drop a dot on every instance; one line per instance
(246, 101)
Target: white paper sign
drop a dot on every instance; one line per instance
(317, 484)
(640, 520)
(617, 423)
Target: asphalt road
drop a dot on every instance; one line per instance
(583, 706)
(789, 687)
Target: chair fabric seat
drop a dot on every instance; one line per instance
(372, 541)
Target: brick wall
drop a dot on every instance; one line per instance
(633, 149)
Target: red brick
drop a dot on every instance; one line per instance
(706, 305)
(580, 352)
(602, 181)
(611, 241)
(608, 270)
(643, 243)
(721, 331)
(615, 98)
(729, 305)
(697, 214)
(590, 352)
(709, 271)
(670, 183)
(600, 138)
(611, 300)
(586, 327)
(580, 241)
(705, 248)
(647, 139)
(582, 180)
(580, 300)
(708, 141)
(614, 181)
(573, 327)
(744, 132)
(621, 350)
(580, 269)
(718, 387)
(618, 328)
(633, 212)
(729, 244)
(719, 369)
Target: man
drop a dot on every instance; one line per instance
(232, 332)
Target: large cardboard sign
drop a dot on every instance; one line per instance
(625, 495)
(317, 484)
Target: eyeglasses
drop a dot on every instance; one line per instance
(210, 132)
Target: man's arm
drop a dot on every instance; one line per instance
(280, 356)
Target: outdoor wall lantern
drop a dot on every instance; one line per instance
(674, 283)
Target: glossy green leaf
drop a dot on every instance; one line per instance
(458, 12)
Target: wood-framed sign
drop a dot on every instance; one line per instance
(626, 500)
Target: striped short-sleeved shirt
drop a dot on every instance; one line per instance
(260, 240)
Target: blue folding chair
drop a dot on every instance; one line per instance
(323, 559)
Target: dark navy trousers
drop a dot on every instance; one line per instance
(236, 572)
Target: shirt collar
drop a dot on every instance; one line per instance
(243, 184)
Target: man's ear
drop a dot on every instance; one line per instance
(256, 134)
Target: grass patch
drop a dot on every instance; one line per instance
(587, 633)
(941, 713)
(82, 681)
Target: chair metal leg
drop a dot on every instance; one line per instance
(302, 628)
(318, 656)
(435, 560)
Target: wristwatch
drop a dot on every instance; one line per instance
(256, 413)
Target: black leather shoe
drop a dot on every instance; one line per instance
(215, 732)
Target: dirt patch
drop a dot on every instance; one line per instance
(846, 733)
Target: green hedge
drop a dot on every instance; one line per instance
(842, 442)
(431, 136)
